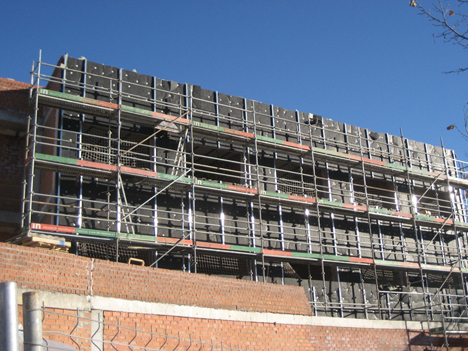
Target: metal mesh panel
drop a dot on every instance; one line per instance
(107, 252)
(98, 147)
(210, 264)
(95, 146)
(294, 183)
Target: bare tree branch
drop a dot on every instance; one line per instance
(452, 20)
(459, 70)
(453, 24)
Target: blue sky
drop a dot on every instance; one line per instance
(374, 64)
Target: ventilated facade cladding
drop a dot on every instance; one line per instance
(130, 165)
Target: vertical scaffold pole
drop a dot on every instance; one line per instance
(79, 141)
(369, 219)
(60, 144)
(31, 146)
(250, 183)
(26, 215)
(154, 163)
(317, 209)
(461, 257)
(119, 185)
(193, 232)
(8, 317)
(32, 317)
(259, 195)
(414, 212)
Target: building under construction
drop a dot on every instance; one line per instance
(130, 167)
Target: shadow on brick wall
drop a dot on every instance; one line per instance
(418, 339)
(14, 100)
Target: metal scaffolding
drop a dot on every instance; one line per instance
(121, 164)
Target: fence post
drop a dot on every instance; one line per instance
(32, 317)
(8, 317)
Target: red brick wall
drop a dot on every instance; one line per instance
(14, 95)
(253, 336)
(11, 184)
(58, 324)
(11, 173)
(179, 333)
(57, 271)
(159, 285)
(44, 270)
(60, 272)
